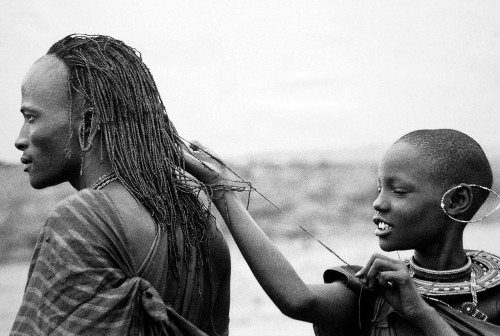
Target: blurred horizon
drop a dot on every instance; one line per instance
(369, 154)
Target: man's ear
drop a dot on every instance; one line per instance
(88, 129)
(458, 200)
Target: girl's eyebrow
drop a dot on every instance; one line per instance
(391, 181)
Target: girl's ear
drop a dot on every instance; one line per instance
(458, 200)
(88, 129)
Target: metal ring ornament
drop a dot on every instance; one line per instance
(475, 220)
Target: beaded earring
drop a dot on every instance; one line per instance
(91, 133)
(471, 220)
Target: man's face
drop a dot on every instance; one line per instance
(409, 215)
(48, 139)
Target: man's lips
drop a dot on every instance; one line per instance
(26, 162)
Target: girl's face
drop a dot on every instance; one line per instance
(409, 215)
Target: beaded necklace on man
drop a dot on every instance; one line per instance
(104, 181)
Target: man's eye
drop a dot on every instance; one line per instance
(399, 191)
(29, 118)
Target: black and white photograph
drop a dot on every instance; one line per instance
(304, 168)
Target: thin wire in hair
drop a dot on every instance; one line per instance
(252, 188)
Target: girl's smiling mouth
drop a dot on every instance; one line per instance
(383, 228)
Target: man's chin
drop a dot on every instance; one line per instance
(38, 185)
(42, 184)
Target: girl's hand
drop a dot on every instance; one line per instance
(205, 165)
(391, 279)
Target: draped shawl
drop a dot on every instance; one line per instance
(82, 281)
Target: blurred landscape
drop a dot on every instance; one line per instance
(314, 194)
(332, 199)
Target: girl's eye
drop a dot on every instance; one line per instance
(399, 191)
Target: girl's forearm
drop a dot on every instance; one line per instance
(271, 269)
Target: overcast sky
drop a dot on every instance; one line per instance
(284, 76)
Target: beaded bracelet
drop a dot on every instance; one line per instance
(225, 188)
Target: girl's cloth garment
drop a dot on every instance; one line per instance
(377, 318)
(82, 281)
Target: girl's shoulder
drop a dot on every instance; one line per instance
(345, 274)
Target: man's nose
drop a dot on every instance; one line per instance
(22, 139)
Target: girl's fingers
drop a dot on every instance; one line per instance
(380, 265)
(383, 271)
(194, 144)
(203, 164)
(362, 272)
(198, 148)
(193, 164)
(390, 278)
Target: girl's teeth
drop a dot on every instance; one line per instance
(383, 226)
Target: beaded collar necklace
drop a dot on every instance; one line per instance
(104, 181)
(486, 267)
(429, 274)
(484, 274)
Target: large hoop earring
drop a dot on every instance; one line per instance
(469, 221)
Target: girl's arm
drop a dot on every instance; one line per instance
(320, 303)
(323, 304)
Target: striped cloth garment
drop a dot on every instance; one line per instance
(81, 280)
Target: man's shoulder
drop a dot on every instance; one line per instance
(85, 200)
(85, 208)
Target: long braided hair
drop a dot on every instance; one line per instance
(141, 141)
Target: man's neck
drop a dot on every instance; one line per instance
(93, 167)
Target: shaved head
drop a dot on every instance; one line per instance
(453, 158)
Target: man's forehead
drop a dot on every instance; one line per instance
(47, 69)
